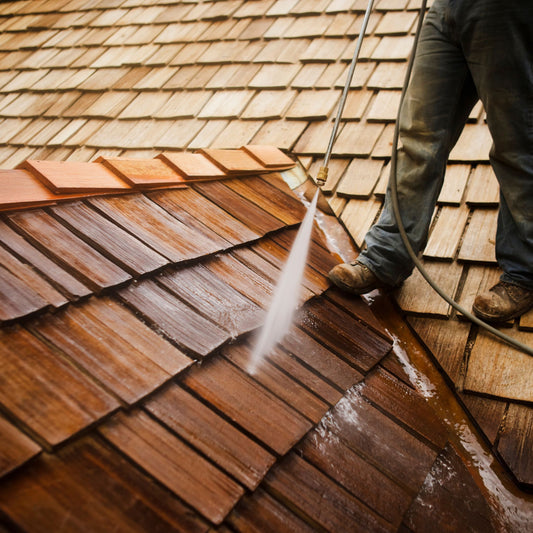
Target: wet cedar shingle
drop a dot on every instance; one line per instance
(447, 499)
(111, 344)
(248, 404)
(213, 298)
(188, 201)
(155, 227)
(91, 267)
(174, 464)
(336, 459)
(184, 326)
(31, 279)
(204, 429)
(333, 513)
(62, 279)
(77, 477)
(334, 327)
(112, 241)
(17, 448)
(270, 198)
(50, 396)
(17, 299)
(239, 207)
(275, 380)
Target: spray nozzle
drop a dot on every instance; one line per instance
(322, 176)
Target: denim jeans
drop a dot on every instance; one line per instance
(468, 50)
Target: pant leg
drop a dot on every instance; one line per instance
(439, 99)
(497, 36)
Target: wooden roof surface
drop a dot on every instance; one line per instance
(127, 86)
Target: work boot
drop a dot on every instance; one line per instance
(503, 302)
(355, 278)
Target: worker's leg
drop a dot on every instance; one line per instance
(498, 38)
(439, 99)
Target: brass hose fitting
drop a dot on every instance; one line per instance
(322, 176)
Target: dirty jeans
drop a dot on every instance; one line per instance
(468, 50)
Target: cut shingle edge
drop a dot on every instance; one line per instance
(143, 173)
(192, 165)
(269, 156)
(75, 176)
(233, 162)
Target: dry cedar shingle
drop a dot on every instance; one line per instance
(233, 76)
(360, 76)
(314, 140)
(388, 75)
(366, 52)
(393, 48)
(274, 77)
(416, 295)
(324, 50)
(384, 107)
(207, 131)
(308, 76)
(268, 105)
(480, 278)
(226, 104)
(163, 55)
(483, 188)
(313, 105)
(358, 216)
(62, 138)
(70, 176)
(202, 78)
(480, 237)
(396, 23)
(447, 232)
(336, 168)
(281, 7)
(360, 178)
(183, 104)
(280, 133)
(145, 105)
(454, 184)
(473, 144)
(340, 25)
(44, 131)
(490, 359)
(356, 104)
(223, 52)
(254, 29)
(357, 139)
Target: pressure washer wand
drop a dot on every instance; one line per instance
(323, 171)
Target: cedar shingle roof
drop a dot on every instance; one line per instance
(123, 88)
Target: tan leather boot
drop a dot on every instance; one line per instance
(355, 278)
(503, 302)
